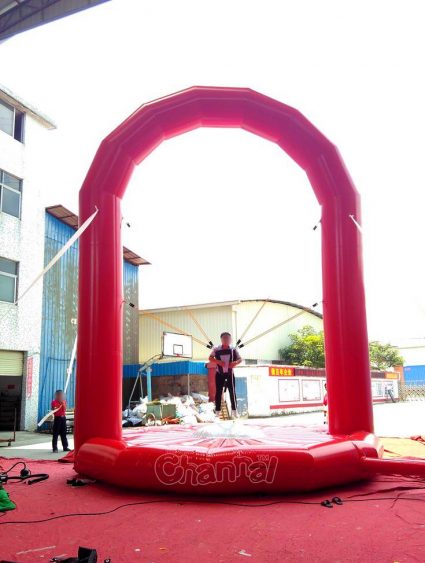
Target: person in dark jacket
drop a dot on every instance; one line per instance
(226, 358)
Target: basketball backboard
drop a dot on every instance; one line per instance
(176, 345)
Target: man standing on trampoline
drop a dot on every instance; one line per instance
(225, 357)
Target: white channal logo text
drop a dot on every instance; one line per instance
(173, 469)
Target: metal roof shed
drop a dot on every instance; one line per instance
(17, 16)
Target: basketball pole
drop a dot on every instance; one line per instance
(149, 382)
(146, 366)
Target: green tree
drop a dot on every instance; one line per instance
(307, 348)
(384, 356)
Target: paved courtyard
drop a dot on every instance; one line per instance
(395, 420)
(31, 445)
(401, 420)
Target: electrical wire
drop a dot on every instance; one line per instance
(24, 476)
(196, 501)
(157, 501)
(13, 466)
(382, 498)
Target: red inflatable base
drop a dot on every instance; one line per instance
(221, 459)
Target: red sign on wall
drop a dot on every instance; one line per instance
(281, 371)
(30, 367)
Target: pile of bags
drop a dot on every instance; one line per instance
(136, 416)
(190, 409)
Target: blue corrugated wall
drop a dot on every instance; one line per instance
(170, 368)
(131, 314)
(414, 373)
(60, 287)
(59, 314)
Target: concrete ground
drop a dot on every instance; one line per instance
(31, 445)
(401, 420)
(395, 420)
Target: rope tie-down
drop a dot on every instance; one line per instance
(78, 233)
(55, 259)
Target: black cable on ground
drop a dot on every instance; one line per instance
(13, 466)
(25, 475)
(325, 503)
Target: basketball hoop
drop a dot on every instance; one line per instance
(176, 345)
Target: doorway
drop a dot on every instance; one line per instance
(11, 372)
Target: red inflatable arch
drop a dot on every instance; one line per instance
(275, 459)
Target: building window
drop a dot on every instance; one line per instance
(12, 121)
(8, 280)
(10, 194)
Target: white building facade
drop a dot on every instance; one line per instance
(22, 143)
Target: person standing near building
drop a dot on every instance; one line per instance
(226, 358)
(59, 423)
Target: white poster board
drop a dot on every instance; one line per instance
(311, 390)
(289, 390)
(257, 387)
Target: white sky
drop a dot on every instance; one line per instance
(354, 68)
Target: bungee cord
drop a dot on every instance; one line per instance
(276, 326)
(252, 322)
(174, 328)
(253, 339)
(198, 324)
(239, 343)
